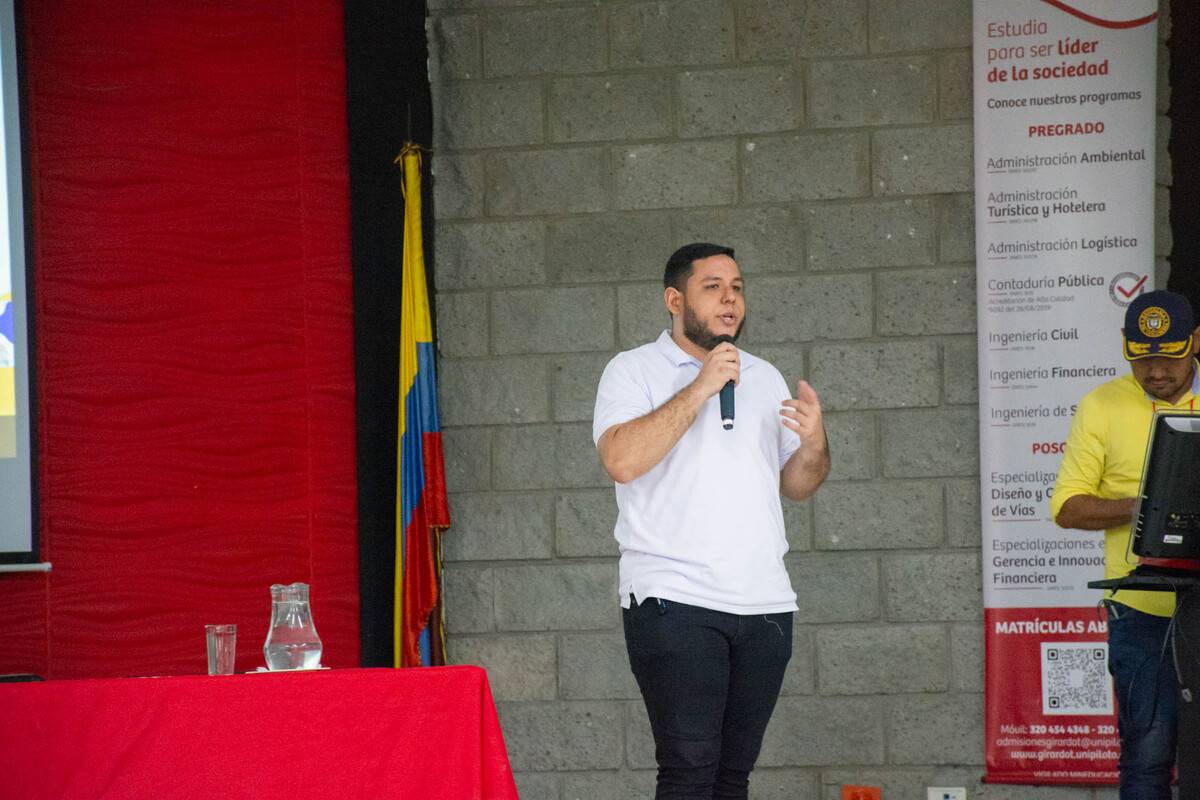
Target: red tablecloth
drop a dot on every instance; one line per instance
(414, 734)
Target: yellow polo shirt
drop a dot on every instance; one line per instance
(1104, 457)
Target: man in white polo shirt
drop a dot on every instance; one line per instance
(707, 601)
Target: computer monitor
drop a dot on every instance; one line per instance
(1167, 519)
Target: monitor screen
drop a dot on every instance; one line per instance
(18, 542)
(1167, 522)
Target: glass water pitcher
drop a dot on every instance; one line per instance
(292, 641)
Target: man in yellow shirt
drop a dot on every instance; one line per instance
(1095, 490)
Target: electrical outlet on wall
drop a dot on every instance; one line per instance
(945, 793)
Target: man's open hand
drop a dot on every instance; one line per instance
(803, 415)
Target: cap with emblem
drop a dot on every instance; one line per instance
(1159, 323)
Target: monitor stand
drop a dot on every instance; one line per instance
(1186, 585)
(1159, 566)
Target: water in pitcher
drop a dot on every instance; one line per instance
(297, 655)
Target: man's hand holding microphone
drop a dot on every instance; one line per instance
(720, 372)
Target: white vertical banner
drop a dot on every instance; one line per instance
(1064, 224)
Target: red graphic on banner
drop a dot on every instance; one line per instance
(1103, 23)
(1057, 723)
(861, 792)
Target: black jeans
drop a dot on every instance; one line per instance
(710, 681)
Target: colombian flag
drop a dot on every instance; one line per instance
(422, 512)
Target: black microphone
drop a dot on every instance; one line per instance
(726, 394)
(727, 406)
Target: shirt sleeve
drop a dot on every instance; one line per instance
(1083, 460)
(621, 396)
(789, 441)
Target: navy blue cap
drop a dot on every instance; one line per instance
(1159, 323)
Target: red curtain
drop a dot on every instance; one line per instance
(193, 322)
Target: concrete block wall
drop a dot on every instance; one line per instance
(830, 142)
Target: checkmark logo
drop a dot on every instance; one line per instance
(1129, 293)
(1125, 286)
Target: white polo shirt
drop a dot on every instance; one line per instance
(705, 525)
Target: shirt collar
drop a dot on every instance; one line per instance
(678, 357)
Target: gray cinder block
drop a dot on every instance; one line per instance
(546, 181)
(611, 107)
(473, 255)
(874, 234)
(556, 597)
(543, 41)
(584, 522)
(923, 160)
(808, 166)
(933, 587)
(743, 100)
(567, 320)
(904, 25)
(878, 515)
(609, 247)
(496, 391)
(462, 324)
(835, 588)
(812, 730)
(804, 308)
(474, 114)
(559, 736)
(855, 375)
(920, 302)
(936, 729)
(468, 597)
(675, 175)
(892, 659)
(668, 32)
(547, 457)
(490, 526)
(595, 666)
(519, 667)
(876, 91)
(941, 442)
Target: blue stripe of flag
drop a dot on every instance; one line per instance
(421, 417)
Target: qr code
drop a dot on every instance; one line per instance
(1075, 678)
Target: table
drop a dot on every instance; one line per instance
(1187, 630)
(416, 734)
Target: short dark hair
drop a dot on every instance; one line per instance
(679, 265)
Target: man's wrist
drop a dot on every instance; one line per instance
(693, 396)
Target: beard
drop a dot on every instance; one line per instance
(1167, 389)
(1168, 385)
(699, 334)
